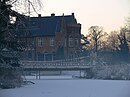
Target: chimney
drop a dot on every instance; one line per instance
(52, 14)
(39, 15)
(72, 14)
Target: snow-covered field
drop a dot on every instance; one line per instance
(70, 88)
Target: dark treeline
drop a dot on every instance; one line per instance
(113, 47)
(110, 52)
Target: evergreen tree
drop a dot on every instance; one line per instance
(9, 49)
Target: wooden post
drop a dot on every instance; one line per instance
(80, 73)
(39, 74)
(85, 73)
(36, 74)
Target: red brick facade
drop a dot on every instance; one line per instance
(64, 43)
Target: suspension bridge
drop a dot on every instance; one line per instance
(54, 65)
(83, 65)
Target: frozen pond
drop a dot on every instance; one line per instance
(70, 88)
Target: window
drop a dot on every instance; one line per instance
(76, 42)
(33, 42)
(72, 30)
(40, 42)
(48, 57)
(65, 42)
(52, 42)
(29, 54)
(40, 57)
(71, 43)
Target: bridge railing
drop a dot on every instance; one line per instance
(52, 64)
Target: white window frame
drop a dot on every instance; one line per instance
(76, 42)
(71, 42)
(52, 42)
(40, 41)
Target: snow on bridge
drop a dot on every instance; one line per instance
(39, 66)
(54, 65)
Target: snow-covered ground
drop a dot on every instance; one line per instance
(51, 87)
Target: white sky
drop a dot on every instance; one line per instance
(107, 13)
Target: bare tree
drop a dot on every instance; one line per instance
(26, 7)
(123, 43)
(127, 27)
(84, 41)
(113, 40)
(95, 35)
(127, 24)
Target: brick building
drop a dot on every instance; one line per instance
(51, 37)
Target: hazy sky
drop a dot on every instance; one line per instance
(107, 13)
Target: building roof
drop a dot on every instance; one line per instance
(49, 25)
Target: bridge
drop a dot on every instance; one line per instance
(54, 65)
(83, 64)
(59, 65)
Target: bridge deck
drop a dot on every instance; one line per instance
(48, 66)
